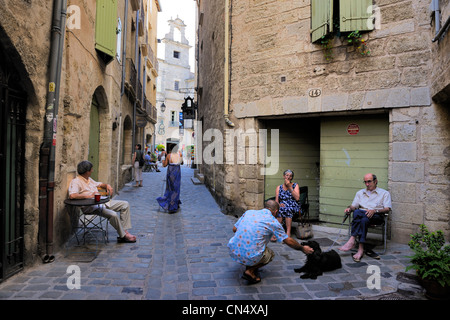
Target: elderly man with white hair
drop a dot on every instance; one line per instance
(84, 187)
(367, 206)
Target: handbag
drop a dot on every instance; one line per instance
(304, 231)
(141, 160)
(304, 228)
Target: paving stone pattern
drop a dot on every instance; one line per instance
(184, 256)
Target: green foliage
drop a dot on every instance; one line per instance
(355, 38)
(327, 46)
(431, 258)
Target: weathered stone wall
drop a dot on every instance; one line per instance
(27, 30)
(211, 87)
(272, 41)
(274, 65)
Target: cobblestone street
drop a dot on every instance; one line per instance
(184, 256)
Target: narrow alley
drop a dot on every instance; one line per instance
(184, 256)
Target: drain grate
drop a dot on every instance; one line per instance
(394, 296)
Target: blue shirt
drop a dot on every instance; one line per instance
(254, 230)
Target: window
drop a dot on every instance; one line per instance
(340, 15)
(176, 54)
(176, 85)
(173, 119)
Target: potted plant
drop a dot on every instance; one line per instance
(431, 260)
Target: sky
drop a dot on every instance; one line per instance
(185, 10)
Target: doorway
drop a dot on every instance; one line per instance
(330, 155)
(13, 102)
(94, 138)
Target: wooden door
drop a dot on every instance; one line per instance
(94, 138)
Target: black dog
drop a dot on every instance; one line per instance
(318, 261)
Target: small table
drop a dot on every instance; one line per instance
(86, 202)
(86, 223)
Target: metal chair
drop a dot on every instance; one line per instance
(383, 227)
(303, 214)
(88, 223)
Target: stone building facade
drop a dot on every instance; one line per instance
(96, 60)
(175, 82)
(335, 110)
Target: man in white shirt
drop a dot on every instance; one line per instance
(84, 187)
(367, 206)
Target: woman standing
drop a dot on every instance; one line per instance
(137, 156)
(287, 196)
(171, 199)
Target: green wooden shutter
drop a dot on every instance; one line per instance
(355, 15)
(105, 28)
(321, 18)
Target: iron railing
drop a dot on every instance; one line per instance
(12, 189)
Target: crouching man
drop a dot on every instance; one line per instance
(253, 232)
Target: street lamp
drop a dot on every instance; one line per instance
(163, 107)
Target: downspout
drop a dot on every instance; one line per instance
(136, 48)
(437, 15)
(227, 66)
(124, 45)
(442, 30)
(48, 147)
(122, 91)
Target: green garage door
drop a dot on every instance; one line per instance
(350, 147)
(299, 152)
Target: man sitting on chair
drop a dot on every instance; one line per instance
(84, 187)
(367, 206)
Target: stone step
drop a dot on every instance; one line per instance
(200, 177)
(195, 180)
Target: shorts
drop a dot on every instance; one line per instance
(268, 256)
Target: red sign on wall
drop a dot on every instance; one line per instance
(353, 129)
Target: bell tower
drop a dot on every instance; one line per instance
(176, 45)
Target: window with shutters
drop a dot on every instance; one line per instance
(105, 29)
(335, 16)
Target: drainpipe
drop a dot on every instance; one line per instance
(227, 65)
(124, 48)
(136, 48)
(48, 147)
(437, 14)
(442, 30)
(122, 90)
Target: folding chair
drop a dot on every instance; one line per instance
(84, 224)
(382, 227)
(147, 167)
(304, 206)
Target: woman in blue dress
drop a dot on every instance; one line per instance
(171, 199)
(287, 196)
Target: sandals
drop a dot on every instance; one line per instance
(372, 254)
(250, 279)
(357, 259)
(125, 240)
